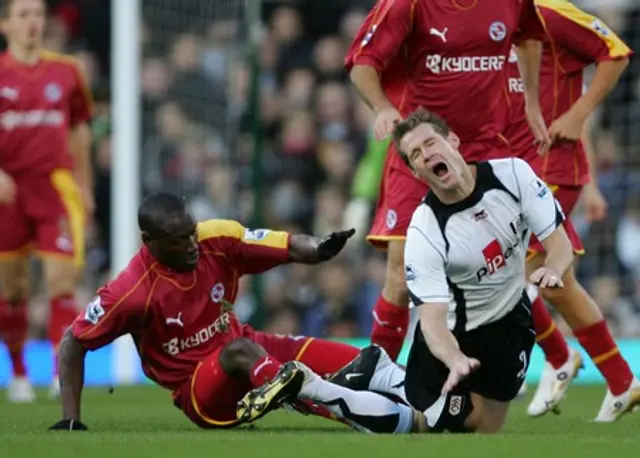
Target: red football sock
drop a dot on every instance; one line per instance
(598, 342)
(63, 311)
(325, 357)
(14, 324)
(390, 323)
(264, 370)
(320, 411)
(552, 342)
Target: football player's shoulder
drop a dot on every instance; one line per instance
(213, 230)
(424, 221)
(65, 64)
(132, 283)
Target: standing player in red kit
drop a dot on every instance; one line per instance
(448, 56)
(45, 179)
(575, 40)
(175, 298)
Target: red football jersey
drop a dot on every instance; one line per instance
(39, 105)
(447, 56)
(177, 319)
(575, 40)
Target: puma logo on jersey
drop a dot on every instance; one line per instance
(438, 33)
(177, 320)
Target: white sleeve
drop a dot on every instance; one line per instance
(424, 269)
(540, 210)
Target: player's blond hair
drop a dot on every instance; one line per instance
(420, 116)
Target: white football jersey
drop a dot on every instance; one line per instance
(471, 254)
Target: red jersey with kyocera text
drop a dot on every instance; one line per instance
(447, 56)
(177, 319)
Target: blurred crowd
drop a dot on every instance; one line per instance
(200, 130)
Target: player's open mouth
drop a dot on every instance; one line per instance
(440, 170)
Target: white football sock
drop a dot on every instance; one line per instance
(364, 410)
(390, 380)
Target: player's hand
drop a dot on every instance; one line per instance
(386, 120)
(538, 128)
(332, 244)
(461, 368)
(7, 188)
(68, 425)
(567, 127)
(544, 277)
(595, 205)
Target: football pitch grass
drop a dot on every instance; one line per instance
(141, 422)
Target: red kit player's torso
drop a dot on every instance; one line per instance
(574, 41)
(177, 319)
(447, 56)
(38, 106)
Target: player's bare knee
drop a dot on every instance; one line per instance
(14, 279)
(61, 276)
(238, 357)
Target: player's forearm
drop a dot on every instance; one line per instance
(529, 54)
(304, 249)
(437, 335)
(80, 145)
(559, 251)
(71, 372)
(604, 80)
(589, 149)
(367, 81)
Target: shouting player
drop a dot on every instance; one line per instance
(45, 179)
(175, 299)
(575, 40)
(465, 263)
(448, 56)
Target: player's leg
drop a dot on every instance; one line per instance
(400, 195)
(364, 410)
(60, 222)
(14, 279)
(210, 397)
(584, 317)
(372, 370)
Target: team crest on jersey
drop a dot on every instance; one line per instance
(497, 31)
(217, 292)
(392, 219)
(52, 92)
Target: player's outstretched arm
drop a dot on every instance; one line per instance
(307, 249)
(71, 370)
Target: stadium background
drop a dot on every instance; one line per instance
(272, 135)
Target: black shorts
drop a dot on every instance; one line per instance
(503, 348)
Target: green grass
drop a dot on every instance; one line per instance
(141, 422)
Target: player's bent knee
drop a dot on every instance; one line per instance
(61, 276)
(14, 279)
(239, 355)
(491, 416)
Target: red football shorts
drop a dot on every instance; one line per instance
(48, 212)
(210, 397)
(401, 192)
(568, 197)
